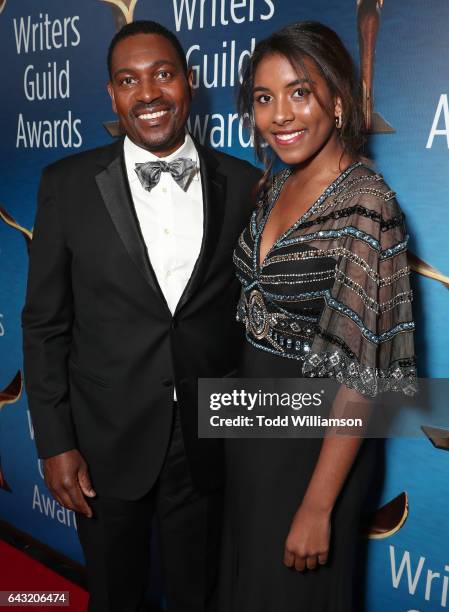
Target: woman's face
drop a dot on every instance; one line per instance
(288, 114)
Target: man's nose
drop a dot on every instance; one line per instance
(283, 112)
(149, 90)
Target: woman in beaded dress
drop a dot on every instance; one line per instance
(325, 292)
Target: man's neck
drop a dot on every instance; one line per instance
(166, 152)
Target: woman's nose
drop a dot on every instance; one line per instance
(282, 111)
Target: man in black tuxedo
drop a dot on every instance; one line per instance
(131, 297)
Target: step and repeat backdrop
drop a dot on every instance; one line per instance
(54, 103)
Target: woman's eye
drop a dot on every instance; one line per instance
(263, 98)
(301, 92)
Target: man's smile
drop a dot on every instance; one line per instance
(154, 115)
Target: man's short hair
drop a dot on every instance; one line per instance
(146, 27)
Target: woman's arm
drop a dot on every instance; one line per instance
(307, 543)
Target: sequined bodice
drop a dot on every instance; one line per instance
(334, 290)
(282, 300)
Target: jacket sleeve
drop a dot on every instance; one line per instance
(47, 323)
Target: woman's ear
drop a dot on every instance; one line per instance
(338, 112)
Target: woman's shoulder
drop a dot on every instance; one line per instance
(364, 183)
(366, 187)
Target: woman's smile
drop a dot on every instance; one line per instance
(284, 139)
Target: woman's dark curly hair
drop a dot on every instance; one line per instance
(297, 42)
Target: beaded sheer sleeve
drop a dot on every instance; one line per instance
(334, 290)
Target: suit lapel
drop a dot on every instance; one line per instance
(114, 188)
(214, 193)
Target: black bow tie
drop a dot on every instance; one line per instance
(181, 170)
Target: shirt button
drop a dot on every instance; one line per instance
(164, 189)
(168, 273)
(166, 231)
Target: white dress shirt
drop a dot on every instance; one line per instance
(171, 220)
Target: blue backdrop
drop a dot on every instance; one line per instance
(54, 103)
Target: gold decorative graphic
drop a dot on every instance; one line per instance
(123, 11)
(368, 22)
(2, 5)
(421, 267)
(439, 437)
(388, 519)
(3, 484)
(10, 395)
(113, 128)
(9, 220)
(12, 392)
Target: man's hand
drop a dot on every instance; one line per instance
(67, 477)
(307, 544)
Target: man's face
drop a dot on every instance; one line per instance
(150, 92)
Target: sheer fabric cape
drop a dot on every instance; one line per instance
(364, 336)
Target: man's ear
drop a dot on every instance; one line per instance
(190, 81)
(111, 93)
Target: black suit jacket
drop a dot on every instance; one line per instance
(102, 350)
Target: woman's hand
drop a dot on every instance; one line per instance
(307, 544)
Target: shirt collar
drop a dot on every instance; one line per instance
(135, 154)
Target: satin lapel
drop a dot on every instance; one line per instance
(214, 193)
(114, 189)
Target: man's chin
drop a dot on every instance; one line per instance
(159, 144)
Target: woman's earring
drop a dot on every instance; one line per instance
(338, 122)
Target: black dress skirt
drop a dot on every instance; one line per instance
(266, 480)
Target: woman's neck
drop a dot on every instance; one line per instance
(325, 165)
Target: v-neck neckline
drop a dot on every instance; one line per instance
(286, 173)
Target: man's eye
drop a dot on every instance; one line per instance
(163, 74)
(263, 98)
(127, 80)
